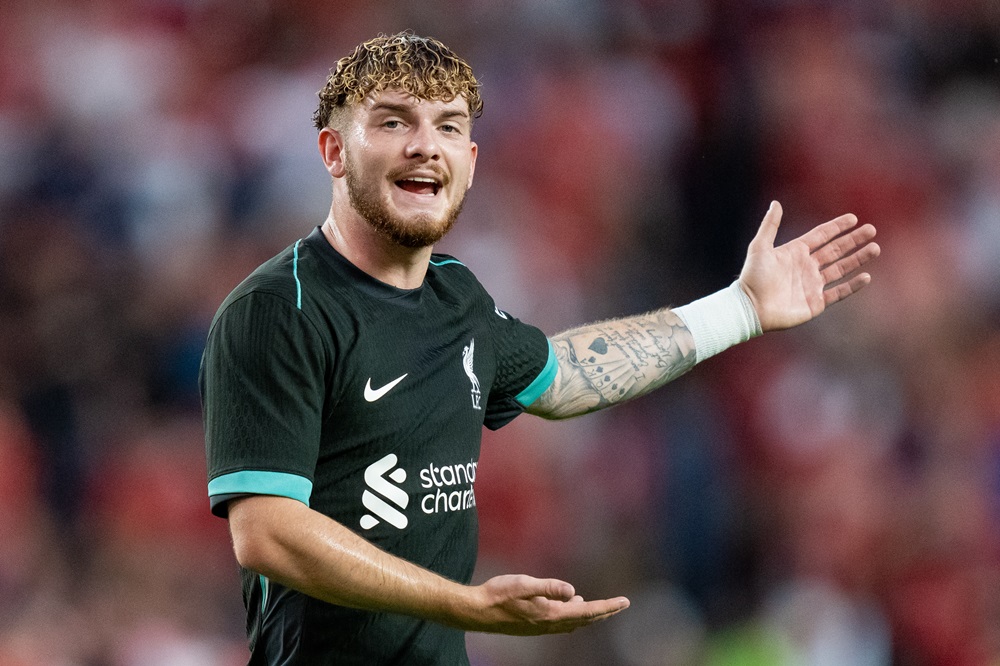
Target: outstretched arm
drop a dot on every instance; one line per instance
(298, 547)
(779, 287)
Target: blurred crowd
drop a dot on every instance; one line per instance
(827, 495)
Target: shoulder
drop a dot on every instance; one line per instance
(439, 260)
(448, 272)
(275, 277)
(273, 292)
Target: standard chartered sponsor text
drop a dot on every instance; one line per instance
(440, 479)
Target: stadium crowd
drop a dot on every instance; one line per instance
(828, 495)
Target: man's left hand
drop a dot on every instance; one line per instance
(792, 283)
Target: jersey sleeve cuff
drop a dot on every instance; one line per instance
(542, 382)
(257, 482)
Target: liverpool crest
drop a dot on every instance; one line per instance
(467, 356)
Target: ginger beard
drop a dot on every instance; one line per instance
(416, 231)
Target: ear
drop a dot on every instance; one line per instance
(331, 149)
(472, 163)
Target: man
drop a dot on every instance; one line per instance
(347, 380)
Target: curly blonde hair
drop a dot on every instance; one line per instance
(421, 66)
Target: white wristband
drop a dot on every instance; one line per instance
(720, 320)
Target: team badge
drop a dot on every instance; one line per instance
(467, 360)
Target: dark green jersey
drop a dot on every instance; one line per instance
(367, 403)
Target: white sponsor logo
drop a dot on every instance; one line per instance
(500, 313)
(450, 488)
(467, 355)
(442, 480)
(371, 395)
(375, 479)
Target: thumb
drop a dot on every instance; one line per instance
(557, 589)
(768, 227)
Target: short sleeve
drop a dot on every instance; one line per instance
(526, 367)
(263, 389)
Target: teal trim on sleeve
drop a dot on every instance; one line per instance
(295, 274)
(542, 381)
(446, 261)
(253, 482)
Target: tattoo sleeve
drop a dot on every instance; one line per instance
(611, 361)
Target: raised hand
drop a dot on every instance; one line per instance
(524, 606)
(792, 283)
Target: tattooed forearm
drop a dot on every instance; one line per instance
(611, 361)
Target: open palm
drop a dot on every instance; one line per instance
(792, 283)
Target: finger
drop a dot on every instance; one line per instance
(850, 263)
(844, 245)
(826, 232)
(558, 590)
(567, 617)
(841, 291)
(768, 230)
(614, 606)
(592, 611)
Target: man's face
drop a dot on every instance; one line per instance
(408, 164)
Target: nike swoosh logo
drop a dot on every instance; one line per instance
(371, 395)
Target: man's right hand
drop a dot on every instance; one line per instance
(521, 605)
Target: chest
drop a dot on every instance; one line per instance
(410, 379)
(403, 424)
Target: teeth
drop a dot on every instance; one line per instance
(421, 179)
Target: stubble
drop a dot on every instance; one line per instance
(417, 231)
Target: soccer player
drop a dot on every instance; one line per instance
(347, 380)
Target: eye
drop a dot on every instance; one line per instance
(390, 124)
(450, 129)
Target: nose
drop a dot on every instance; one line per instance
(423, 143)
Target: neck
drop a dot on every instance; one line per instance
(377, 256)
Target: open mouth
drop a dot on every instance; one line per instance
(420, 185)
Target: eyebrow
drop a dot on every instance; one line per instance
(408, 108)
(387, 106)
(457, 113)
